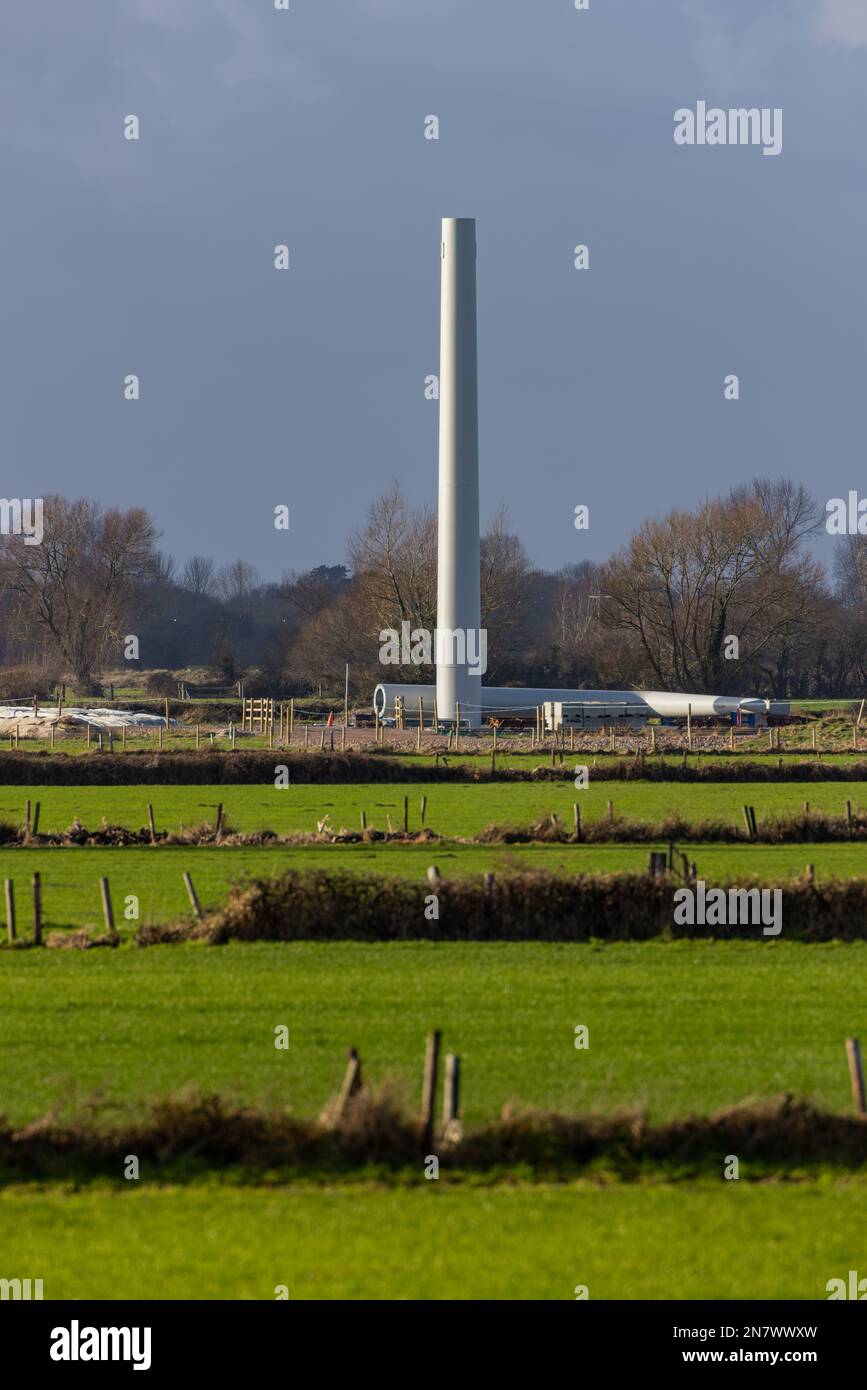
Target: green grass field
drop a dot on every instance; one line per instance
(675, 1027)
(834, 740)
(70, 877)
(451, 809)
(713, 1239)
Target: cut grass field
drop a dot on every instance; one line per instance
(675, 1028)
(452, 809)
(834, 748)
(71, 895)
(706, 1240)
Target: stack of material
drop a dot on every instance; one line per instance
(39, 725)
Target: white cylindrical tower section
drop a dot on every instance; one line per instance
(458, 602)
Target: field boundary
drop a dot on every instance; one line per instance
(182, 1137)
(325, 905)
(139, 767)
(805, 828)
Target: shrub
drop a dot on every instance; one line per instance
(23, 682)
(161, 683)
(189, 1133)
(339, 905)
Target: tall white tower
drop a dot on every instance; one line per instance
(458, 563)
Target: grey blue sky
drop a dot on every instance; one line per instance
(306, 127)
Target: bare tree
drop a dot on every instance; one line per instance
(162, 571)
(78, 585)
(734, 568)
(198, 576)
(332, 638)
(576, 605)
(237, 581)
(395, 562)
(504, 573)
(394, 559)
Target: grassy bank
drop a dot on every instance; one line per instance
(70, 877)
(449, 809)
(705, 1240)
(675, 1028)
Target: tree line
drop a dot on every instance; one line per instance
(726, 597)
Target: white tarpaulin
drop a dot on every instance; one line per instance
(99, 718)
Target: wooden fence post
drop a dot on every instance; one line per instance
(192, 895)
(856, 1075)
(9, 887)
(219, 826)
(107, 910)
(151, 822)
(429, 1086)
(35, 828)
(37, 910)
(451, 1092)
(351, 1084)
